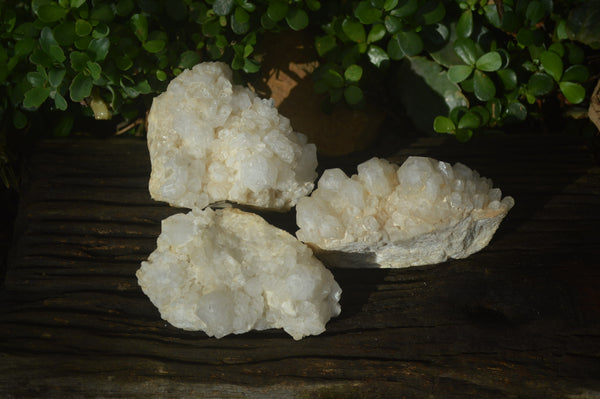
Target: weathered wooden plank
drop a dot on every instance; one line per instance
(519, 319)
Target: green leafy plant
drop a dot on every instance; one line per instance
(490, 63)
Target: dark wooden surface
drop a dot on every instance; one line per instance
(520, 319)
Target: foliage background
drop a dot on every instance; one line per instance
(488, 63)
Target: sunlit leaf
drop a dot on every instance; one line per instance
(442, 124)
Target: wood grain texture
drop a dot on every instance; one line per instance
(519, 319)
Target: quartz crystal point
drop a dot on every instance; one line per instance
(423, 212)
(229, 271)
(212, 141)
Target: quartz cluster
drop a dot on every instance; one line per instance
(211, 141)
(228, 271)
(422, 212)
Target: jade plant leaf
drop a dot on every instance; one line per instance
(410, 42)
(552, 64)
(489, 62)
(297, 19)
(576, 73)
(574, 92)
(442, 124)
(458, 73)
(353, 95)
(35, 97)
(483, 86)
(464, 26)
(466, 49)
(354, 30)
(540, 84)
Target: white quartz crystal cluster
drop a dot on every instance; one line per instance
(211, 141)
(423, 212)
(228, 271)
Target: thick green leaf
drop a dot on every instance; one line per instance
(353, 73)
(266, 22)
(94, 69)
(98, 48)
(241, 15)
(251, 66)
(394, 50)
(458, 73)
(576, 73)
(558, 48)
(525, 37)
(333, 78)
(483, 113)
(56, 76)
(442, 124)
(405, 8)
(393, 24)
(60, 102)
(410, 42)
(366, 13)
(535, 12)
(37, 78)
(81, 87)
(353, 95)
(297, 19)
(222, 7)
(464, 135)
(47, 39)
(82, 27)
(124, 7)
(24, 47)
(154, 46)
(324, 44)
(508, 77)
(124, 62)
(574, 92)
(540, 84)
(313, 5)
(432, 12)
(64, 33)
(78, 60)
(101, 30)
(377, 55)
(464, 26)
(377, 33)
(388, 5)
(77, 3)
(354, 30)
(483, 86)
(35, 97)
(238, 27)
(470, 120)
(188, 59)
(277, 10)
(516, 111)
(103, 13)
(552, 64)
(466, 49)
(489, 62)
(51, 12)
(139, 24)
